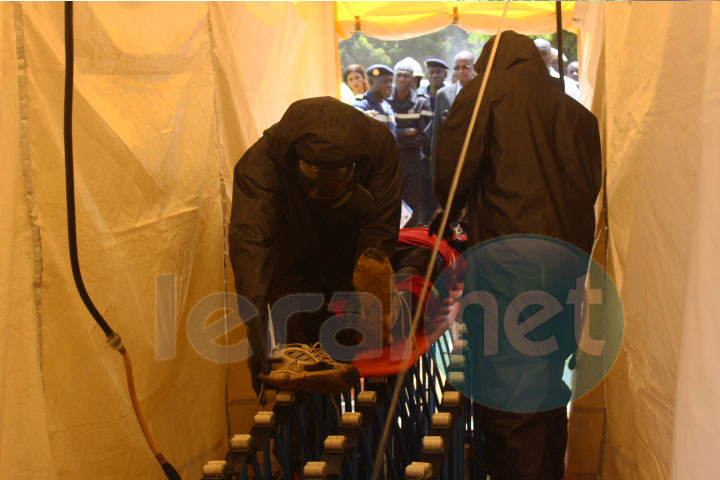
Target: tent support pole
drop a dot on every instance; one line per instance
(561, 68)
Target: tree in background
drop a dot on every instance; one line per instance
(363, 50)
(443, 44)
(569, 44)
(476, 42)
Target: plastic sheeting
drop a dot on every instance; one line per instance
(653, 68)
(401, 20)
(167, 98)
(279, 52)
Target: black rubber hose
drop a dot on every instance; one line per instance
(69, 175)
(558, 17)
(170, 471)
(114, 339)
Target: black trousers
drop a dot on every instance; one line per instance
(524, 446)
(412, 172)
(428, 201)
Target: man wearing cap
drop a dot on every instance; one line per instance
(464, 62)
(463, 66)
(374, 102)
(319, 188)
(413, 115)
(437, 73)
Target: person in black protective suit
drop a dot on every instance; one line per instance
(533, 166)
(320, 186)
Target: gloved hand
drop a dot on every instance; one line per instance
(435, 225)
(259, 362)
(256, 368)
(373, 274)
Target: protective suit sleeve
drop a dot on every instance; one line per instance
(254, 226)
(381, 224)
(450, 138)
(590, 157)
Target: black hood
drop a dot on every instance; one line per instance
(515, 51)
(333, 131)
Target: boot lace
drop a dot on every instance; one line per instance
(321, 354)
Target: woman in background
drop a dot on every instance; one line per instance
(354, 78)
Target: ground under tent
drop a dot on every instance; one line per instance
(167, 98)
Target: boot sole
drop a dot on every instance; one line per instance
(328, 381)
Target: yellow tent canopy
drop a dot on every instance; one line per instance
(401, 20)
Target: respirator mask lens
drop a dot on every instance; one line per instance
(325, 183)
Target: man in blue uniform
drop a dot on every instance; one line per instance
(413, 115)
(373, 103)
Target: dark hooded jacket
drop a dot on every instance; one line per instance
(533, 163)
(278, 235)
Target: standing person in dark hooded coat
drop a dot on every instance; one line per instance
(321, 186)
(533, 167)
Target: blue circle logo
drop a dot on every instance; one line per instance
(528, 310)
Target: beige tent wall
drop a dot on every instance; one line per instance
(167, 97)
(22, 403)
(696, 442)
(283, 51)
(653, 68)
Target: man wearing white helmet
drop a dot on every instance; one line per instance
(417, 70)
(413, 115)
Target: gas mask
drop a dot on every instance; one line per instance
(328, 177)
(335, 194)
(326, 181)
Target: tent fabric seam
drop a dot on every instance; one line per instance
(24, 139)
(603, 440)
(223, 198)
(606, 230)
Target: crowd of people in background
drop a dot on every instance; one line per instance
(413, 103)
